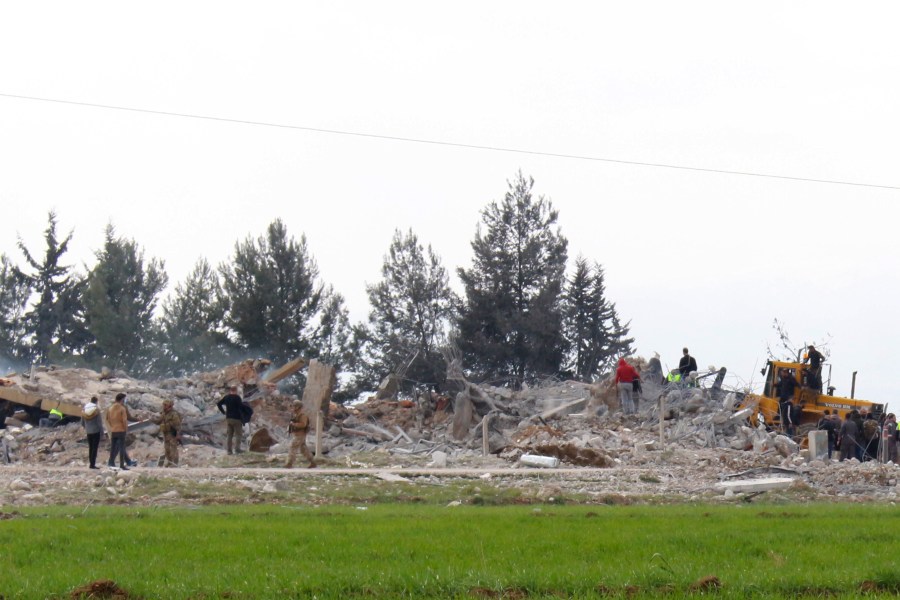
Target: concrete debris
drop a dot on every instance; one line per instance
(681, 440)
(534, 460)
(756, 485)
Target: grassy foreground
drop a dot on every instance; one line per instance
(414, 551)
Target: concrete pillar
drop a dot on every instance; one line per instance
(818, 445)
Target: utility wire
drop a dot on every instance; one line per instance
(451, 144)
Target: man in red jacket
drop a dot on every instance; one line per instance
(625, 377)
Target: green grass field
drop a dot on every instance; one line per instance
(416, 551)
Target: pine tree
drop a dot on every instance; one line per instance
(412, 308)
(120, 299)
(193, 324)
(511, 325)
(332, 331)
(54, 323)
(596, 338)
(275, 304)
(14, 293)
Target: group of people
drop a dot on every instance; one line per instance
(116, 418)
(628, 380)
(862, 436)
(169, 421)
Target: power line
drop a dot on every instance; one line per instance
(450, 144)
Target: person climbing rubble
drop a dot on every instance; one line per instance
(232, 406)
(299, 427)
(170, 427)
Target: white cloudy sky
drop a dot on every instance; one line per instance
(807, 90)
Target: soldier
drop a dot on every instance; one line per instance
(170, 427)
(299, 426)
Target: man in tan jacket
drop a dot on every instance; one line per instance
(117, 418)
(299, 426)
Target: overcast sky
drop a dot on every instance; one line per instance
(802, 90)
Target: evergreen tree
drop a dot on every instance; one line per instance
(412, 308)
(120, 299)
(596, 338)
(275, 304)
(54, 322)
(193, 324)
(511, 325)
(14, 293)
(332, 331)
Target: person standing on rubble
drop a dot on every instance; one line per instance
(231, 405)
(625, 376)
(93, 427)
(170, 427)
(827, 424)
(687, 364)
(786, 386)
(847, 437)
(636, 390)
(299, 427)
(117, 417)
(871, 434)
(888, 448)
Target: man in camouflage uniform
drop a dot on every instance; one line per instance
(170, 427)
(299, 427)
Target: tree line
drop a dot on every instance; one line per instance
(521, 318)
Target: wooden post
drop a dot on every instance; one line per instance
(320, 418)
(485, 446)
(662, 421)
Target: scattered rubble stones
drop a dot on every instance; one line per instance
(604, 455)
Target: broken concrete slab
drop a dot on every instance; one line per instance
(756, 485)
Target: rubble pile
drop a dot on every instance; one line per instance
(684, 441)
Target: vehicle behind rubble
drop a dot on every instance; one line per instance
(809, 402)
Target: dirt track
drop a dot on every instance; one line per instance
(681, 477)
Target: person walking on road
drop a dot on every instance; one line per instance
(231, 405)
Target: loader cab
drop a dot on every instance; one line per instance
(772, 372)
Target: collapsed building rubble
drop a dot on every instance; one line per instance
(682, 439)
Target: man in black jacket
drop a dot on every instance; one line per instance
(786, 385)
(687, 364)
(231, 406)
(815, 359)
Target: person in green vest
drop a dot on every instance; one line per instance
(51, 420)
(674, 376)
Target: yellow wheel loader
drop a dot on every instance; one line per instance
(809, 403)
